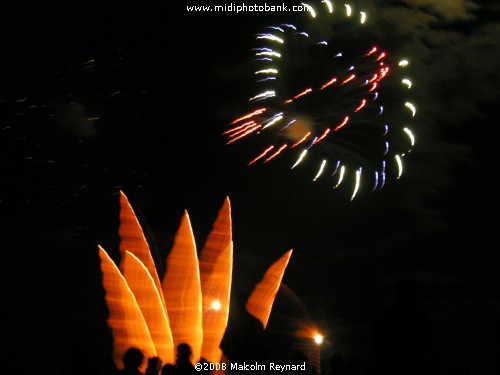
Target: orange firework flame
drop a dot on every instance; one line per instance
(190, 304)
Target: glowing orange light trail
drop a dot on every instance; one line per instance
(250, 115)
(216, 264)
(363, 103)
(266, 151)
(261, 299)
(330, 82)
(383, 73)
(242, 126)
(132, 239)
(243, 129)
(342, 124)
(349, 79)
(372, 51)
(249, 131)
(327, 131)
(182, 291)
(148, 298)
(301, 140)
(276, 153)
(125, 318)
(305, 92)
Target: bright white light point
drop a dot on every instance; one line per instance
(310, 9)
(321, 168)
(348, 10)
(216, 305)
(400, 165)
(318, 339)
(267, 71)
(410, 135)
(268, 53)
(404, 63)
(407, 82)
(412, 108)
(376, 182)
(341, 176)
(264, 95)
(363, 17)
(329, 5)
(273, 121)
(272, 37)
(300, 158)
(356, 186)
(276, 28)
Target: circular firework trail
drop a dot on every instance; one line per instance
(332, 99)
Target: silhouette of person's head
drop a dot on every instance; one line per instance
(133, 358)
(154, 365)
(168, 369)
(184, 352)
(183, 363)
(154, 362)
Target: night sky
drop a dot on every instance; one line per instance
(101, 96)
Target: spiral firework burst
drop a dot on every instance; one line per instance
(332, 99)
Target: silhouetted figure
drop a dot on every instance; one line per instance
(403, 336)
(168, 369)
(183, 362)
(132, 360)
(154, 366)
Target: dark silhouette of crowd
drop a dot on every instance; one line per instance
(133, 359)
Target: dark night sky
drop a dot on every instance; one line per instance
(97, 97)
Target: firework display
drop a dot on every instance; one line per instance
(190, 302)
(332, 99)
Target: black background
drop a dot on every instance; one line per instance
(163, 83)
